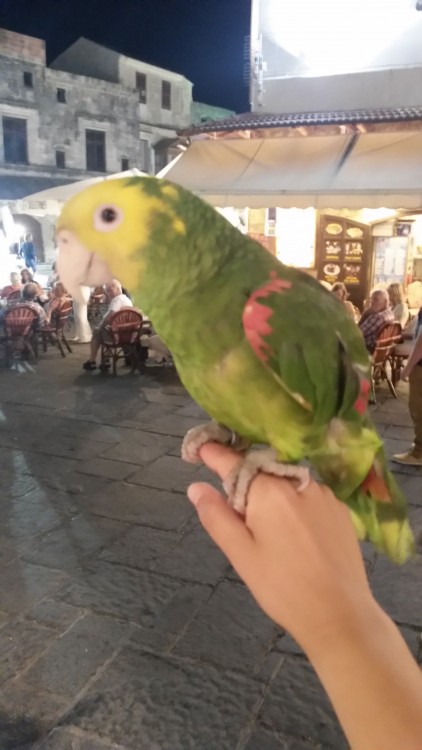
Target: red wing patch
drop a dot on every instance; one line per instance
(256, 315)
(375, 485)
(361, 402)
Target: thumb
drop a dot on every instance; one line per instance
(223, 524)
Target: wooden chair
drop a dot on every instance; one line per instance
(54, 332)
(122, 338)
(19, 332)
(389, 336)
(14, 296)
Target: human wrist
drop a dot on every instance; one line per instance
(346, 618)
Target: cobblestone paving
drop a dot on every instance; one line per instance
(121, 625)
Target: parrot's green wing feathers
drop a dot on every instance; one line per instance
(283, 321)
(317, 354)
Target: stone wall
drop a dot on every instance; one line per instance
(53, 125)
(22, 47)
(85, 57)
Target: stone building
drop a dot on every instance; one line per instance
(93, 111)
(57, 127)
(164, 98)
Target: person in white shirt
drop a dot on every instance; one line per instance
(118, 300)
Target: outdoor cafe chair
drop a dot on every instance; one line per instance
(389, 336)
(54, 332)
(14, 296)
(18, 334)
(121, 339)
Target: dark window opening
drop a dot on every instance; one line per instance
(145, 155)
(141, 85)
(61, 96)
(60, 159)
(15, 140)
(28, 79)
(96, 150)
(165, 95)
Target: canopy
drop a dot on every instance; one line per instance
(65, 191)
(15, 187)
(370, 170)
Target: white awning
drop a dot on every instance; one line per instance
(63, 192)
(372, 170)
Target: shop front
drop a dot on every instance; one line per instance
(362, 248)
(340, 207)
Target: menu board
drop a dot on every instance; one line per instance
(342, 254)
(390, 260)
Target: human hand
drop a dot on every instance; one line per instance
(297, 553)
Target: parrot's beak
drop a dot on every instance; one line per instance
(79, 267)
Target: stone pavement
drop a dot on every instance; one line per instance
(121, 625)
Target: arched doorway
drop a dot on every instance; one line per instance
(32, 225)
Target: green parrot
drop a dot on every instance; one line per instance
(269, 354)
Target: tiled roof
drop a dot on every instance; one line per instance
(255, 120)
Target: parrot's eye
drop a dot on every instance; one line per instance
(108, 215)
(107, 218)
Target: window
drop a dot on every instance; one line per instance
(95, 151)
(15, 140)
(61, 96)
(165, 95)
(161, 159)
(144, 155)
(125, 164)
(60, 159)
(141, 85)
(28, 80)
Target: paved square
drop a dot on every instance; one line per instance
(121, 625)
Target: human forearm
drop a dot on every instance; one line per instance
(372, 681)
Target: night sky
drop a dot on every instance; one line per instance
(202, 39)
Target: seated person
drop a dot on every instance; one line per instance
(404, 348)
(398, 304)
(58, 295)
(53, 277)
(118, 300)
(41, 296)
(26, 276)
(375, 317)
(339, 290)
(14, 286)
(29, 295)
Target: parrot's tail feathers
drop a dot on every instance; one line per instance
(379, 513)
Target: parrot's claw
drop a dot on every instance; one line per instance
(211, 432)
(240, 478)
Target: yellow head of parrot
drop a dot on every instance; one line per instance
(102, 230)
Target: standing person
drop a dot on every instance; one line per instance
(412, 372)
(28, 253)
(118, 300)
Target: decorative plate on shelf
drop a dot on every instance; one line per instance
(354, 232)
(334, 228)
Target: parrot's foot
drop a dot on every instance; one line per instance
(211, 432)
(240, 478)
